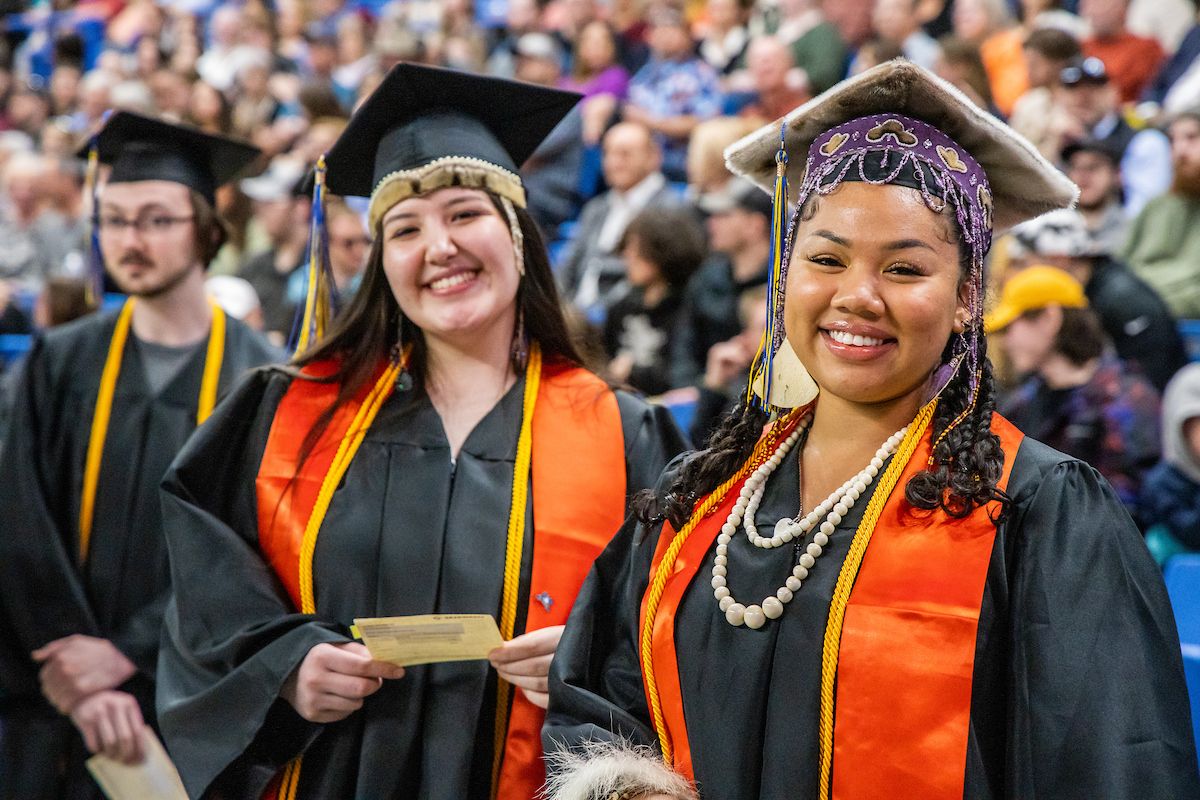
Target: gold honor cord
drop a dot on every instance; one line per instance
(104, 400)
(666, 568)
(513, 549)
(381, 391)
(845, 583)
(290, 781)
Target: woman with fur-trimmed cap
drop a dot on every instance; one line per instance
(870, 584)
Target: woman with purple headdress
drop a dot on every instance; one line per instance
(872, 585)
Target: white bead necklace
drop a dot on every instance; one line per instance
(833, 508)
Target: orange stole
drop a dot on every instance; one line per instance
(578, 476)
(907, 651)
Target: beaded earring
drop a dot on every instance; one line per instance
(404, 380)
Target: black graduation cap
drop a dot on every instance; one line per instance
(142, 148)
(420, 114)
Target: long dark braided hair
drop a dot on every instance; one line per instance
(967, 461)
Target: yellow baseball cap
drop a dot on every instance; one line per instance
(1031, 289)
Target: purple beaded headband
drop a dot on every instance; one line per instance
(895, 149)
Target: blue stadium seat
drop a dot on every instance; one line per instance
(1183, 586)
(1189, 329)
(13, 346)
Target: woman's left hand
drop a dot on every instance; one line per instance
(524, 661)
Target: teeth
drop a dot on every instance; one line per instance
(451, 281)
(842, 337)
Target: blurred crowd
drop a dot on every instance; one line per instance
(661, 253)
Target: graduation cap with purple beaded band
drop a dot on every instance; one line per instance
(896, 123)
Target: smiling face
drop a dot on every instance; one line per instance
(449, 261)
(874, 291)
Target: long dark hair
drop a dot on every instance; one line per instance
(967, 461)
(363, 334)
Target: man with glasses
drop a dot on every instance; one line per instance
(101, 409)
(1093, 111)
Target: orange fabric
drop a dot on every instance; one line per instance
(286, 497)
(907, 650)
(578, 503)
(1131, 62)
(666, 663)
(1003, 57)
(907, 654)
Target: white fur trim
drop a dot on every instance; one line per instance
(601, 769)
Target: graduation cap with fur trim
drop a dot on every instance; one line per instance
(424, 128)
(141, 148)
(1023, 183)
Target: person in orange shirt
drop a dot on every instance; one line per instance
(1132, 61)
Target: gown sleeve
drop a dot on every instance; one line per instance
(652, 439)
(1098, 706)
(43, 598)
(231, 636)
(596, 691)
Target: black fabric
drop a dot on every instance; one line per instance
(709, 316)
(643, 333)
(1136, 320)
(1078, 689)
(419, 114)
(146, 149)
(408, 532)
(120, 591)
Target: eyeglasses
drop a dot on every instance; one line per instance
(1089, 70)
(156, 224)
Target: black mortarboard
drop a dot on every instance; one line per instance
(145, 149)
(419, 118)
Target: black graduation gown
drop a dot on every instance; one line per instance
(1078, 689)
(407, 532)
(121, 590)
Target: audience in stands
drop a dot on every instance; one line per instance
(1077, 397)
(818, 49)
(1134, 318)
(674, 91)
(1164, 240)
(661, 247)
(739, 237)
(632, 169)
(1131, 60)
(282, 209)
(1095, 167)
(1171, 492)
(1093, 110)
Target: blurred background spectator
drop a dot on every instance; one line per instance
(1171, 493)
(1134, 317)
(662, 247)
(1077, 396)
(1164, 240)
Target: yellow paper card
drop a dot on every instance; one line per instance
(429, 638)
(153, 779)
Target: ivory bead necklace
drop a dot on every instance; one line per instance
(833, 509)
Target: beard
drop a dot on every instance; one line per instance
(151, 285)
(1186, 180)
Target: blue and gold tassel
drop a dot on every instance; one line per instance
(320, 301)
(761, 368)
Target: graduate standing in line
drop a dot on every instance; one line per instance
(890, 591)
(438, 450)
(102, 407)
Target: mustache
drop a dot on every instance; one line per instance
(135, 260)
